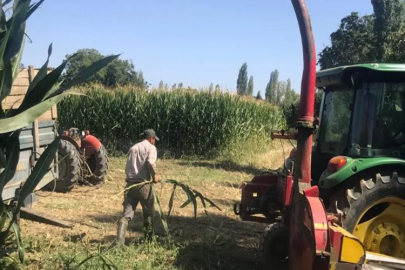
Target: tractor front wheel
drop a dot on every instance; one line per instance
(275, 246)
(373, 210)
(98, 164)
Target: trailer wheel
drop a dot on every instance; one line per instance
(275, 246)
(373, 210)
(98, 164)
(69, 168)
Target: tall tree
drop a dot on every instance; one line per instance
(281, 89)
(269, 95)
(290, 97)
(161, 85)
(250, 86)
(174, 86)
(217, 88)
(389, 23)
(370, 38)
(274, 86)
(241, 83)
(181, 85)
(211, 87)
(259, 96)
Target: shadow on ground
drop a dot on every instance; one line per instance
(224, 165)
(208, 242)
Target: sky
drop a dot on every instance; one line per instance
(190, 41)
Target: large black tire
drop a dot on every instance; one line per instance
(69, 168)
(367, 195)
(98, 164)
(274, 245)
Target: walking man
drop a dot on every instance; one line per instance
(140, 167)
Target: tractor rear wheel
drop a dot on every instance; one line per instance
(98, 164)
(274, 246)
(69, 168)
(373, 210)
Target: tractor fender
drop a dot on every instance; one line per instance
(353, 167)
(69, 139)
(90, 144)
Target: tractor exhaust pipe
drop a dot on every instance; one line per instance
(305, 123)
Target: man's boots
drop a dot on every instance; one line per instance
(121, 231)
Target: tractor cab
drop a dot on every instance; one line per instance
(362, 114)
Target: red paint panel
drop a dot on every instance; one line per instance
(288, 190)
(90, 144)
(320, 223)
(312, 192)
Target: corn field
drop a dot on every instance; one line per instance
(188, 122)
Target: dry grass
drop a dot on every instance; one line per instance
(219, 241)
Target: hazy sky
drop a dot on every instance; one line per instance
(195, 42)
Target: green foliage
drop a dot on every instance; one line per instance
(370, 38)
(138, 255)
(188, 122)
(43, 92)
(118, 72)
(389, 29)
(272, 86)
(251, 86)
(242, 82)
(259, 96)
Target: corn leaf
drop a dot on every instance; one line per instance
(212, 203)
(39, 171)
(191, 194)
(28, 116)
(171, 199)
(42, 87)
(3, 162)
(17, 60)
(86, 73)
(13, 26)
(13, 150)
(43, 71)
(16, 230)
(33, 7)
(6, 79)
(160, 211)
(3, 219)
(199, 195)
(185, 203)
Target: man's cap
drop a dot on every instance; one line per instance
(150, 133)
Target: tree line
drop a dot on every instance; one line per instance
(277, 92)
(375, 38)
(378, 37)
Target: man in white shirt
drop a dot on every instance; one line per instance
(140, 167)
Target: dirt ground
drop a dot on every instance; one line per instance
(217, 241)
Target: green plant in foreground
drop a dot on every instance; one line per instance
(44, 91)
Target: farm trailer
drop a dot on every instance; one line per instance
(81, 157)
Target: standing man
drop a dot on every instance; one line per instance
(140, 167)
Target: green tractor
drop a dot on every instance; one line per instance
(359, 152)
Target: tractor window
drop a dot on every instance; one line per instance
(335, 124)
(379, 120)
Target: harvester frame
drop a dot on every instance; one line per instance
(302, 235)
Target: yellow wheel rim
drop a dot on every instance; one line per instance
(383, 231)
